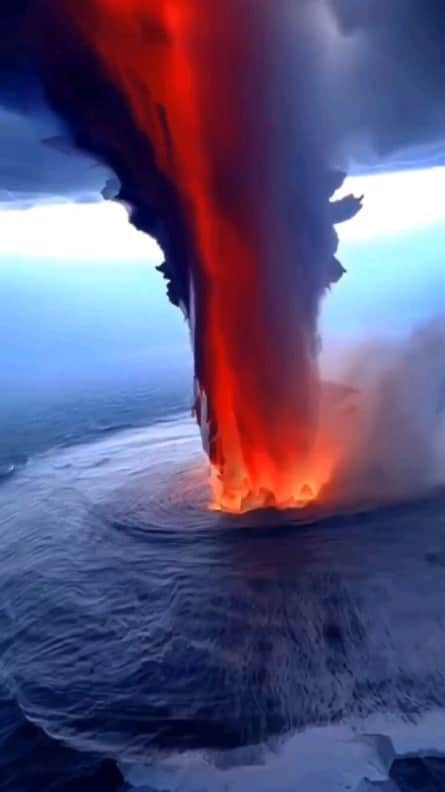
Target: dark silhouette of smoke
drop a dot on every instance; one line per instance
(395, 77)
(210, 117)
(238, 191)
(374, 72)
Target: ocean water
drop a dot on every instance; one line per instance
(36, 420)
(147, 642)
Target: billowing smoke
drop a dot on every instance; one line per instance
(387, 94)
(388, 427)
(226, 123)
(210, 117)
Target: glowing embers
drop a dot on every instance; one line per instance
(307, 478)
(237, 500)
(235, 493)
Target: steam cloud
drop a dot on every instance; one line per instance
(390, 429)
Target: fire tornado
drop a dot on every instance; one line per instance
(200, 109)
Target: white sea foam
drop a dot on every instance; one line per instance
(330, 759)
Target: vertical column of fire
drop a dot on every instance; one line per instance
(204, 83)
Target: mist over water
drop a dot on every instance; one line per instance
(389, 431)
(383, 331)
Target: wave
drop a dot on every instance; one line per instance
(6, 471)
(194, 648)
(329, 759)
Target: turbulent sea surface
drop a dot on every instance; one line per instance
(148, 642)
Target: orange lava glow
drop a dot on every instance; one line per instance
(306, 491)
(202, 79)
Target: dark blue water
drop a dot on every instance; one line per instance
(35, 419)
(145, 639)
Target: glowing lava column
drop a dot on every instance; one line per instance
(204, 82)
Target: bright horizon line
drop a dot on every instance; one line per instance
(84, 232)
(395, 202)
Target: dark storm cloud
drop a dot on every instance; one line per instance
(385, 104)
(392, 94)
(38, 163)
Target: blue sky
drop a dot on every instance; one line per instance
(80, 292)
(394, 252)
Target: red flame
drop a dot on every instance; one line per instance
(202, 79)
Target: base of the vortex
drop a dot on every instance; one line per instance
(234, 492)
(245, 500)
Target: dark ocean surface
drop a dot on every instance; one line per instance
(34, 421)
(146, 640)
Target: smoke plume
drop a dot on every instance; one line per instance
(210, 118)
(226, 124)
(389, 428)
